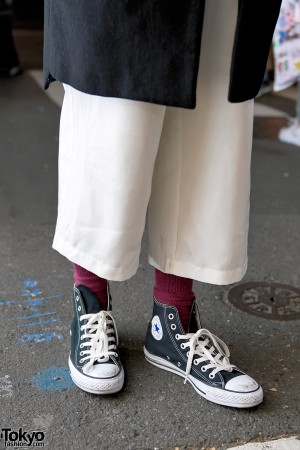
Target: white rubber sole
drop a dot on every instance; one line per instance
(95, 385)
(215, 395)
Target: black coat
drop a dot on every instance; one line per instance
(149, 49)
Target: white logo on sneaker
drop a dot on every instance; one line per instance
(156, 328)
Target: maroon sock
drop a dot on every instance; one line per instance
(175, 291)
(93, 282)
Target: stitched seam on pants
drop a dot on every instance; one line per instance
(63, 196)
(180, 183)
(249, 174)
(72, 146)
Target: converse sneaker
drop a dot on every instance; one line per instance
(94, 360)
(199, 357)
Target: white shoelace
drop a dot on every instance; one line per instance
(210, 348)
(100, 345)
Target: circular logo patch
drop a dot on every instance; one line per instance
(156, 328)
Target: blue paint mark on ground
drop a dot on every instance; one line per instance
(53, 379)
(30, 283)
(39, 337)
(32, 299)
(32, 293)
(52, 296)
(35, 315)
(34, 324)
(35, 302)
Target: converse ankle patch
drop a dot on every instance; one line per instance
(156, 328)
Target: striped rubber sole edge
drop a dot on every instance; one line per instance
(215, 395)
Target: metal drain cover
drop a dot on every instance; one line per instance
(269, 300)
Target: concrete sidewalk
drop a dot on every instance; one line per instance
(155, 410)
(292, 443)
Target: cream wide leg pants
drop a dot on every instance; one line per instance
(189, 168)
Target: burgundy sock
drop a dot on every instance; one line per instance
(93, 282)
(175, 291)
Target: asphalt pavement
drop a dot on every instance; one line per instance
(155, 410)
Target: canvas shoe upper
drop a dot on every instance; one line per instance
(199, 357)
(94, 360)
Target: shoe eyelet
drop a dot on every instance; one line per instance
(77, 298)
(178, 364)
(81, 346)
(171, 316)
(177, 336)
(81, 361)
(203, 369)
(81, 338)
(116, 355)
(79, 308)
(182, 346)
(173, 326)
(188, 354)
(211, 376)
(196, 362)
(81, 353)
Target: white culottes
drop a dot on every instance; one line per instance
(190, 169)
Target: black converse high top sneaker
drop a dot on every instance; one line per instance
(199, 357)
(94, 360)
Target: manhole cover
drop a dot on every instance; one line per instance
(269, 300)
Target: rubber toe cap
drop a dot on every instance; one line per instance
(103, 371)
(242, 383)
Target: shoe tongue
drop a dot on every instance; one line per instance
(194, 323)
(90, 300)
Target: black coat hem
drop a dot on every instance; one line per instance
(184, 103)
